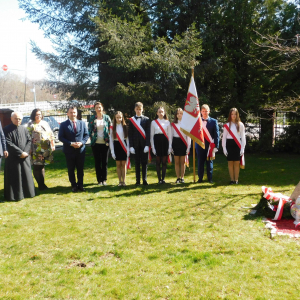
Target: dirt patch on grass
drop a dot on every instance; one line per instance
(81, 264)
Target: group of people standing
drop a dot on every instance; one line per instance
(34, 146)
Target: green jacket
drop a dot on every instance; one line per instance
(92, 128)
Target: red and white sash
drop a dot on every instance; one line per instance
(141, 130)
(128, 164)
(164, 132)
(242, 159)
(138, 127)
(186, 159)
(207, 136)
(282, 199)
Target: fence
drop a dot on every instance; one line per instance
(28, 107)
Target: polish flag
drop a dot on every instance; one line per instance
(191, 123)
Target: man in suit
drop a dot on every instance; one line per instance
(73, 134)
(139, 141)
(202, 154)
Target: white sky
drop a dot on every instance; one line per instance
(14, 34)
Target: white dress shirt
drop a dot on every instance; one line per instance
(120, 132)
(239, 135)
(166, 125)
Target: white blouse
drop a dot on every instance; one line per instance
(100, 132)
(120, 132)
(166, 125)
(240, 135)
(175, 134)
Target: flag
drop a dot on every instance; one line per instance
(191, 122)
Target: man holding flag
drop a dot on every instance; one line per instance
(205, 132)
(212, 137)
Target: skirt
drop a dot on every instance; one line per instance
(178, 146)
(161, 145)
(233, 150)
(119, 151)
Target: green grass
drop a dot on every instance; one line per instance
(191, 241)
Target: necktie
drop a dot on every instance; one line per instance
(204, 120)
(138, 117)
(74, 126)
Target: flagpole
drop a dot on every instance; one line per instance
(194, 154)
(194, 162)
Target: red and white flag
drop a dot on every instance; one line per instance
(191, 123)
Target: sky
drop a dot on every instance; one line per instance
(14, 35)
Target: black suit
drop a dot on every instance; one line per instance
(139, 143)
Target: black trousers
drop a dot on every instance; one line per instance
(141, 158)
(100, 152)
(75, 161)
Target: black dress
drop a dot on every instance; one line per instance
(18, 181)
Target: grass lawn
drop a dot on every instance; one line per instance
(190, 241)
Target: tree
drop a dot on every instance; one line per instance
(106, 50)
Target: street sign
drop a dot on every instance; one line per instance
(54, 96)
(4, 68)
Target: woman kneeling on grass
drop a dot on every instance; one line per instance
(181, 144)
(119, 145)
(233, 143)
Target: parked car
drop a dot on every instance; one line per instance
(54, 125)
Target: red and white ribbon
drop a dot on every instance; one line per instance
(141, 130)
(207, 136)
(128, 164)
(138, 127)
(165, 134)
(270, 195)
(242, 159)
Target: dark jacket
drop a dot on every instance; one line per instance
(213, 129)
(92, 127)
(3, 141)
(135, 138)
(67, 135)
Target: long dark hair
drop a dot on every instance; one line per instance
(175, 115)
(123, 124)
(33, 113)
(237, 120)
(165, 115)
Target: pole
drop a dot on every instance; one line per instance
(194, 161)
(194, 154)
(25, 73)
(34, 95)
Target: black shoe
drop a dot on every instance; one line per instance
(81, 188)
(232, 182)
(145, 182)
(163, 182)
(74, 189)
(178, 180)
(137, 183)
(210, 181)
(182, 180)
(43, 187)
(160, 181)
(199, 181)
(236, 182)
